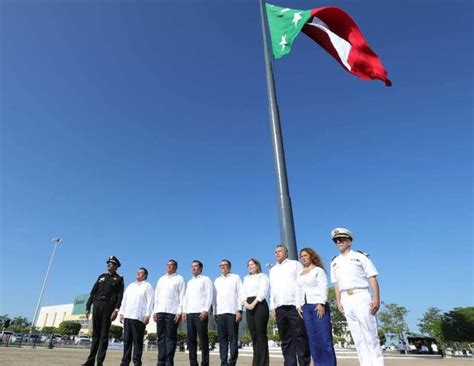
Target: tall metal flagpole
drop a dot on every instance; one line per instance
(56, 242)
(287, 228)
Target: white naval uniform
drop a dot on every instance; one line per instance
(351, 272)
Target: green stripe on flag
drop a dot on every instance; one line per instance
(285, 24)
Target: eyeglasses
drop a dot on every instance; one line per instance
(342, 240)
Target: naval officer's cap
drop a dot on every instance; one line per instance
(114, 259)
(340, 232)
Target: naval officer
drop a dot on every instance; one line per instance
(106, 295)
(352, 273)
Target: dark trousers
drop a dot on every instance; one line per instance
(167, 334)
(134, 331)
(294, 342)
(100, 331)
(319, 335)
(228, 335)
(195, 327)
(257, 320)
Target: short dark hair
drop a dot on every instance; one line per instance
(144, 270)
(198, 262)
(173, 261)
(228, 262)
(282, 246)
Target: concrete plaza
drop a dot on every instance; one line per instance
(68, 357)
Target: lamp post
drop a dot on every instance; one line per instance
(56, 242)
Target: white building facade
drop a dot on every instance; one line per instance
(52, 316)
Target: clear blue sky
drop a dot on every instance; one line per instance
(140, 129)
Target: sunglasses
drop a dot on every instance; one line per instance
(342, 240)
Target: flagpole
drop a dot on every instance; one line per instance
(56, 242)
(287, 228)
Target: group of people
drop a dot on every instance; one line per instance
(297, 293)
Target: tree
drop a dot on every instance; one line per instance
(382, 337)
(430, 323)
(458, 325)
(152, 337)
(21, 321)
(49, 330)
(182, 336)
(69, 328)
(275, 337)
(5, 321)
(246, 338)
(339, 322)
(116, 332)
(18, 324)
(393, 319)
(271, 325)
(212, 336)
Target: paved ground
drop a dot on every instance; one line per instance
(69, 357)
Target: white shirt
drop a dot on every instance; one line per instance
(227, 294)
(352, 270)
(137, 301)
(283, 287)
(199, 295)
(313, 286)
(255, 286)
(169, 294)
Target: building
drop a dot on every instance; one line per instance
(52, 316)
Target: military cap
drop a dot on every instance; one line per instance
(340, 232)
(114, 259)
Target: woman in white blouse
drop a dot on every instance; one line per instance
(253, 296)
(313, 294)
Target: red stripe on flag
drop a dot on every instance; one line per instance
(364, 62)
(322, 38)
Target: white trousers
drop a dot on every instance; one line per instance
(363, 327)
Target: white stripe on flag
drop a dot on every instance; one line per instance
(340, 44)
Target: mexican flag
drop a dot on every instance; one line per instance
(334, 30)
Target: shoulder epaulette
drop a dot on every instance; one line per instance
(364, 253)
(334, 258)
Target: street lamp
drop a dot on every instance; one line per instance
(56, 242)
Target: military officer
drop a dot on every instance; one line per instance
(106, 295)
(352, 273)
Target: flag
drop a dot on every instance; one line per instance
(334, 30)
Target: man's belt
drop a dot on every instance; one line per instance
(104, 298)
(354, 290)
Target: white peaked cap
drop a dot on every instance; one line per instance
(340, 232)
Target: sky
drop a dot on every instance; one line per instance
(140, 129)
